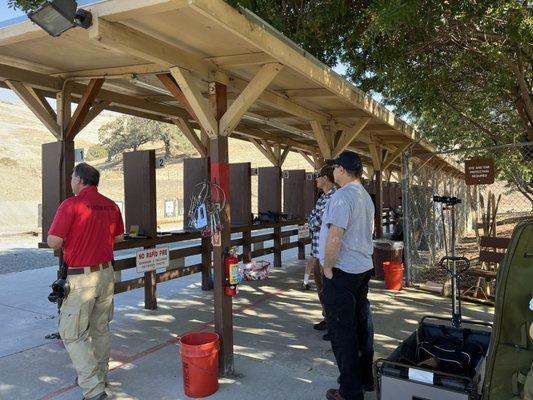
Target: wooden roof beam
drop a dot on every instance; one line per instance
(95, 110)
(34, 103)
(323, 142)
(240, 60)
(82, 110)
(307, 158)
(174, 89)
(198, 103)
(248, 96)
(391, 158)
(191, 135)
(348, 136)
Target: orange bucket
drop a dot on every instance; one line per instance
(199, 358)
(393, 275)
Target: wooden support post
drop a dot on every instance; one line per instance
(378, 217)
(247, 245)
(220, 176)
(207, 282)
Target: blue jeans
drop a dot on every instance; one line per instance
(351, 328)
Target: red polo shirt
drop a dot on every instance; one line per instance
(88, 224)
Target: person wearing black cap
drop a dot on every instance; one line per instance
(345, 252)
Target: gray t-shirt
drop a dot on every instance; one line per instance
(351, 209)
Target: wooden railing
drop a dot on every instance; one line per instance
(150, 279)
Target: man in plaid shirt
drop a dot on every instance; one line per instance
(326, 183)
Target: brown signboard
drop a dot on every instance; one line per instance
(479, 171)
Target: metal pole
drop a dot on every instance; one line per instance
(406, 219)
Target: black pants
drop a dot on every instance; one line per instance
(351, 328)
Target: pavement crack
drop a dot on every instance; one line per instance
(26, 310)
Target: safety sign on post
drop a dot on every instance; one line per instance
(152, 259)
(303, 231)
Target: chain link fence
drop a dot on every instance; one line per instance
(486, 210)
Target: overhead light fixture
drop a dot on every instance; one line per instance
(58, 16)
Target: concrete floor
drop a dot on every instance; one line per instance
(277, 353)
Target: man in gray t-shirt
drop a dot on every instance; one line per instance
(345, 251)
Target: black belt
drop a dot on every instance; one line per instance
(92, 268)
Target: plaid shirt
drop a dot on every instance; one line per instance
(315, 220)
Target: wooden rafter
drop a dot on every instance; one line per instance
(83, 108)
(33, 102)
(174, 89)
(239, 60)
(266, 151)
(284, 155)
(95, 110)
(247, 97)
(197, 102)
(377, 156)
(392, 157)
(189, 133)
(307, 158)
(323, 142)
(348, 136)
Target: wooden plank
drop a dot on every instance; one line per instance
(32, 101)
(497, 242)
(392, 157)
(174, 89)
(35, 79)
(95, 110)
(178, 273)
(196, 100)
(307, 158)
(293, 194)
(348, 136)
(307, 93)
(491, 256)
(284, 155)
(191, 135)
(248, 96)
(264, 150)
(376, 157)
(241, 198)
(219, 174)
(323, 142)
(240, 60)
(130, 41)
(84, 105)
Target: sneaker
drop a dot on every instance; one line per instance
(306, 286)
(321, 326)
(333, 394)
(326, 336)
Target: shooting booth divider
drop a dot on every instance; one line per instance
(51, 181)
(293, 194)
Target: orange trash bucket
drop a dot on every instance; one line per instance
(393, 275)
(199, 358)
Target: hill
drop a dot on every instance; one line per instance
(21, 137)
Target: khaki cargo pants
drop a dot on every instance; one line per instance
(84, 327)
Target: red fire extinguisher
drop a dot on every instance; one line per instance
(231, 267)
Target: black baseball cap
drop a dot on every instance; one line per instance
(348, 160)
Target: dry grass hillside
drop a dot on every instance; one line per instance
(21, 137)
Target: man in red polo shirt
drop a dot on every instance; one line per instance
(87, 226)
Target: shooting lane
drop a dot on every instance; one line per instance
(218, 71)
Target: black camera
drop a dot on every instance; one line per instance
(60, 290)
(446, 200)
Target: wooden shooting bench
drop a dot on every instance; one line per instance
(491, 253)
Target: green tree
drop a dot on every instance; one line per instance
(24, 5)
(460, 71)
